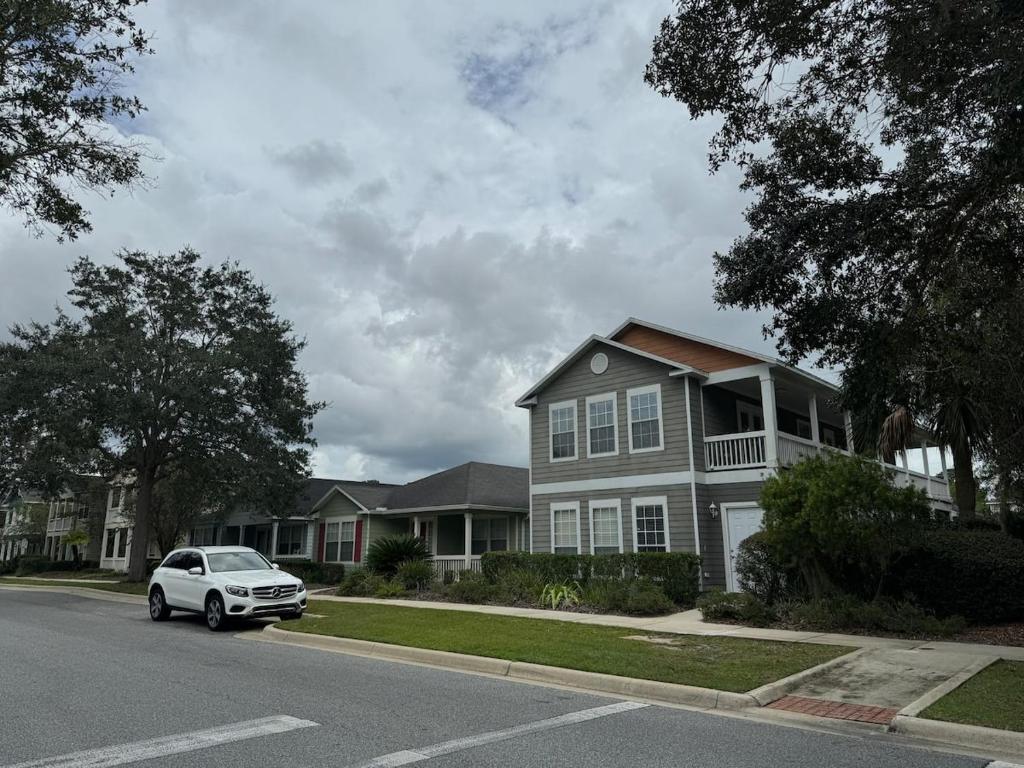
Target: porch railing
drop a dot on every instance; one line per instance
(735, 451)
(454, 565)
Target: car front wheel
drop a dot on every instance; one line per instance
(158, 610)
(215, 618)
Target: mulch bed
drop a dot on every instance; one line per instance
(998, 634)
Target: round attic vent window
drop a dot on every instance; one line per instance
(599, 363)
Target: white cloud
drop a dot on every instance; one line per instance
(445, 199)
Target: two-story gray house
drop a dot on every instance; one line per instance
(655, 440)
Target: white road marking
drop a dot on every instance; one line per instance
(122, 754)
(1001, 764)
(407, 756)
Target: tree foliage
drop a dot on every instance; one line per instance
(167, 369)
(881, 140)
(62, 66)
(839, 522)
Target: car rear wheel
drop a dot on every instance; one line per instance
(158, 610)
(215, 616)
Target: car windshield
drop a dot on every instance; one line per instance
(222, 562)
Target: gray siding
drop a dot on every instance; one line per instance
(577, 382)
(338, 506)
(680, 515)
(711, 540)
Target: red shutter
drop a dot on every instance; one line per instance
(357, 556)
(321, 542)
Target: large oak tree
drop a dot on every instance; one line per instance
(164, 365)
(881, 140)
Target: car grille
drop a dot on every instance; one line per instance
(275, 593)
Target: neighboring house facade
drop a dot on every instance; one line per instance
(116, 542)
(18, 535)
(652, 439)
(81, 509)
(460, 513)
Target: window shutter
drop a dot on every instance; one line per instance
(320, 542)
(357, 555)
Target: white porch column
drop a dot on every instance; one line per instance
(927, 471)
(273, 539)
(942, 463)
(812, 409)
(241, 535)
(416, 526)
(848, 426)
(771, 426)
(468, 518)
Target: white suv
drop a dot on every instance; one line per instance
(223, 583)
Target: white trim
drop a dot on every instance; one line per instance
(730, 576)
(326, 496)
(734, 374)
(527, 399)
(629, 417)
(529, 450)
(613, 396)
(338, 521)
(560, 406)
(383, 512)
(626, 482)
(637, 501)
(602, 504)
(562, 506)
(693, 472)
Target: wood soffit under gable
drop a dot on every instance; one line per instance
(693, 353)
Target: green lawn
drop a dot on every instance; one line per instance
(723, 663)
(994, 698)
(131, 588)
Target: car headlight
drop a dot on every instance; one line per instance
(302, 587)
(237, 591)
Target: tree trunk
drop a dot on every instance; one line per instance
(140, 535)
(966, 485)
(1004, 503)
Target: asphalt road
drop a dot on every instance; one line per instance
(80, 675)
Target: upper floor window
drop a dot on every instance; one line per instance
(602, 429)
(749, 417)
(562, 418)
(644, 419)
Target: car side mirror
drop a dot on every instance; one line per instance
(195, 571)
(275, 566)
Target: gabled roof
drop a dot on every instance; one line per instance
(470, 485)
(593, 340)
(735, 357)
(316, 490)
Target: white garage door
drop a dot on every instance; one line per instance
(740, 522)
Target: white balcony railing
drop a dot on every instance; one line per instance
(741, 451)
(454, 564)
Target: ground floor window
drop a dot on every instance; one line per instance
(605, 527)
(565, 528)
(649, 524)
(291, 539)
(232, 535)
(205, 536)
(340, 542)
(489, 535)
(122, 542)
(108, 546)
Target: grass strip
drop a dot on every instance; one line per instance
(722, 663)
(993, 698)
(124, 587)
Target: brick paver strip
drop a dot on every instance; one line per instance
(837, 710)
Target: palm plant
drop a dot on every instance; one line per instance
(388, 552)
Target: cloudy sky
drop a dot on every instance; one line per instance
(444, 197)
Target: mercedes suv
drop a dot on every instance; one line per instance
(223, 583)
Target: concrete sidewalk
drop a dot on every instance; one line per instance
(690, 623)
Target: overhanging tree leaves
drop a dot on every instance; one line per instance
(62, 64)
(882, 139)
(170, 365)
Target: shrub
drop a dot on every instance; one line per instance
(470, 588)
(976, 574)
(390, 588)
(360, 582)
(388, 552)
(677, 573)
(561, 595)
(8, 567)
(839, 522)
(741, 607)
(519, 588)
(416, 574)
(29, 564)
(846, 612)
(636, 597)
(315, 573)
(759, 573)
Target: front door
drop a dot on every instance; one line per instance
(740, 522)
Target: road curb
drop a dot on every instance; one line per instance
(766, 694)
(670, 693)
(96, 594)
(970, 736)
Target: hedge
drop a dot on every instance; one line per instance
(29, 564)
(976, 574)
(677, 573)
(315, 573)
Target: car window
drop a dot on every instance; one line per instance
(192, 560)
(222, 562)
(173, 560)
